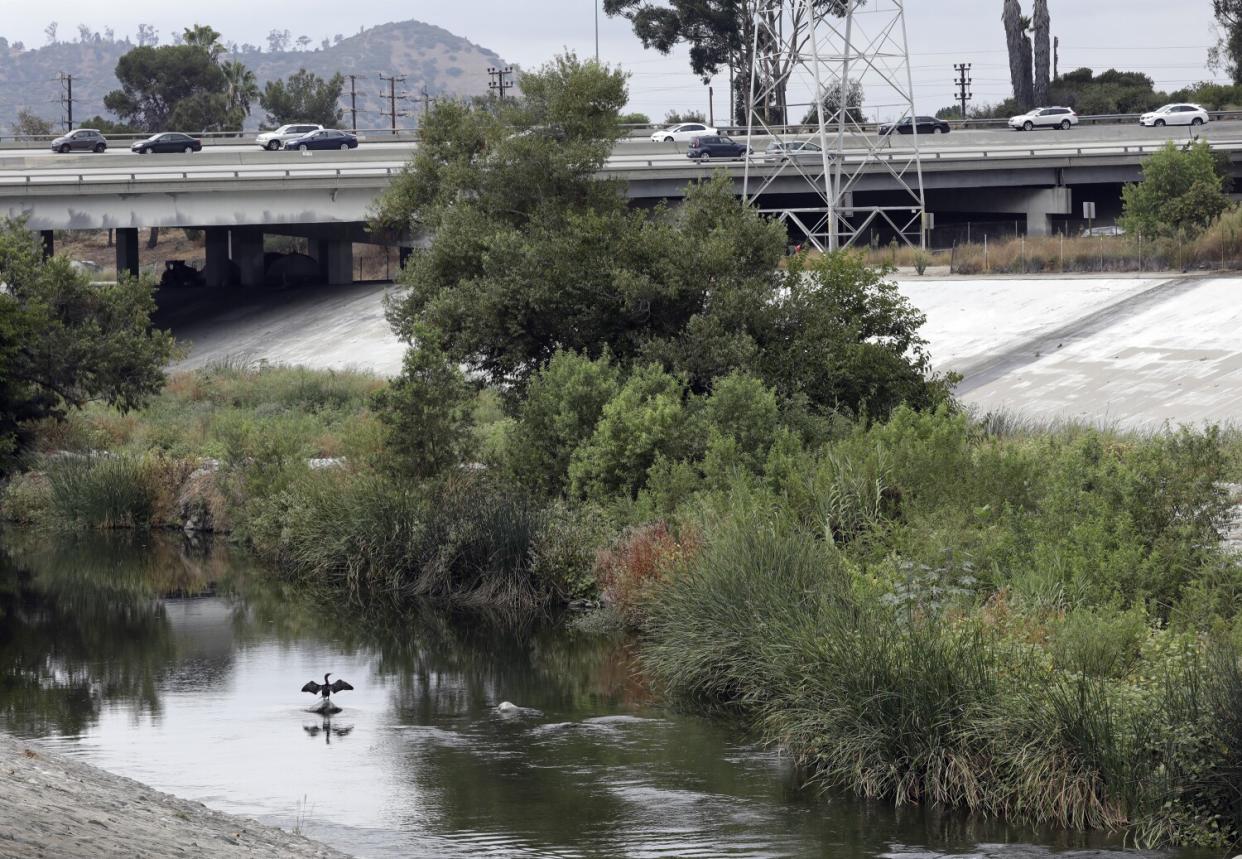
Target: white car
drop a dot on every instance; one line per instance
(1175, 114)
(274, 140)
(683, 132)
(1044, 117)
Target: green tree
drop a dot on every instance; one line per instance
(1226, 54)
(304, 97)
(426, 412)
(108, 127)
(1182, 191)
(563, 404)
(176, 86)
(65, 342)
(647, 421)
(242, 87)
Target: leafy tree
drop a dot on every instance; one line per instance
(1227, 52)
(720, 34)
(176, 86)
(304, 97)
(648, 420)
(30, 126)
(108, 127)
(563, 404)
(635, 119)
(676, 117)
(426, 412)
(65, 342)
(1182, 191)
(278, 40)
(847, 94)
(530, 255)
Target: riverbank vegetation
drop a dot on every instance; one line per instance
(750, 463)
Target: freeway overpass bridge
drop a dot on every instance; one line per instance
(237, 194)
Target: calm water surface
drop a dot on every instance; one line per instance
(181, 668)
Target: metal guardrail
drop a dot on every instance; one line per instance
(635, 131)
(109, 176)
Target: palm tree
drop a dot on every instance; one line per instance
(1041, 23)
(243, 88)
(1019, 48)
(204, 36)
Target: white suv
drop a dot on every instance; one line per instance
(683, 132)
(1175, 114)
(274, 140)
(1044, 117)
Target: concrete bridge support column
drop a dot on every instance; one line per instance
(49, 242)
(336, 260)
(248, 255)
(126, 252)
(216, 269)
(1042, 205)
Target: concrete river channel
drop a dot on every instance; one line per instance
(181, 667)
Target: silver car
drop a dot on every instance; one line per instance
(273, 140)
(82, 140)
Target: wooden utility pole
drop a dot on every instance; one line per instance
(963, 81)
(353, 102)
(392, 113)
(499, 85)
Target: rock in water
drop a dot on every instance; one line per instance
(508, 707)
(325, 706)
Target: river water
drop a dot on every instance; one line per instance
(181, 668)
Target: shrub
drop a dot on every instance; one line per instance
(647, 419)
(1181, 192)
(630, 570)
(563, 403)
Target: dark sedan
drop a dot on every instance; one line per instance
(169, 141)
(715, 146)
(926, 125)
(327, 138)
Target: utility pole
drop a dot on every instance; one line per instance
(353, 102)
(66, 99)
(1056, 49)
(500, 85)
(426, 99)
(597, 32)
(392, 111)
(962, 82)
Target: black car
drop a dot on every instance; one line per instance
(715, 146)
(169, 141)
(326, 138)
(82, 140)
(926, 125)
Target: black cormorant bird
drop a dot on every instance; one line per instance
(325, 688)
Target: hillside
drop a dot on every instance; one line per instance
(430, 57)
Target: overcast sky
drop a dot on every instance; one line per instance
(1169, 41)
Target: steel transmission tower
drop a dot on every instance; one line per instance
(823, 62)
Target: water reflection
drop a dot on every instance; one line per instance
(183, 669)
(328, 729)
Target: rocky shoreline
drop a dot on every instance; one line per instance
(55, 807)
